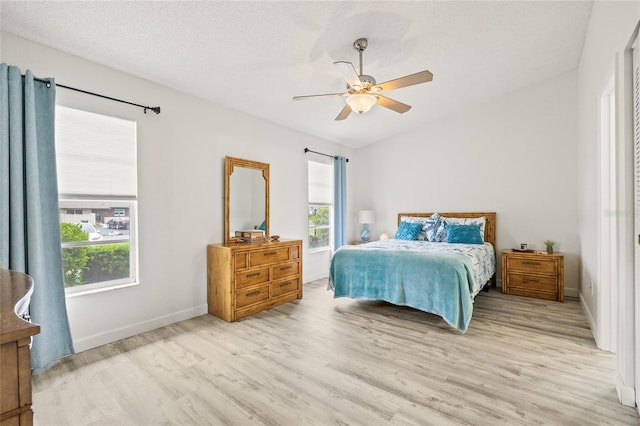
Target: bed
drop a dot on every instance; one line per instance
(429, 273)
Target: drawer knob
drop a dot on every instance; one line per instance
(531, 262)
(269, 253)
(286, 284)
(284, 268)
(253, 293)
(254, 274)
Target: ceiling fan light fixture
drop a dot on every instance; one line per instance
(361, 102)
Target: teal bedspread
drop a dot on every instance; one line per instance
(440, 283)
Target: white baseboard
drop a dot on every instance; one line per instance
(589, 315)
(626, 394)
(317, 276)
(571, 292)
(109, 336)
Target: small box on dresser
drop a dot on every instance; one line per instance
(245, 278)
(534, 274)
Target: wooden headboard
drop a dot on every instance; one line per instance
(489, 227)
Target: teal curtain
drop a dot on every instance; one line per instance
(29, 214)
(339, 202)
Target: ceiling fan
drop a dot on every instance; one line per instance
(363, 91)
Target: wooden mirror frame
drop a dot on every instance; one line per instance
(230, 163)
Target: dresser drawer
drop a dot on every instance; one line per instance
(241, 260)
(534, 282)
(541, 266)
(285, 287)
(252, 277)
(286, 270)
(250, 296)
(265, 257)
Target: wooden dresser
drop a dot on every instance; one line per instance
(533, 274)
(245, 278)
(15, 354)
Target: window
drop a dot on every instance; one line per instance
(320, 205)
(97, 182)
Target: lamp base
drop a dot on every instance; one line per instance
(365, 235)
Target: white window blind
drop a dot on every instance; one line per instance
(95, 154)
(320, 183)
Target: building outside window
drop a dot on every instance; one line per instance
(320, 205)
(97, 183)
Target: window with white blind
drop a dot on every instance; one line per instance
(320, 205)
(97, 183)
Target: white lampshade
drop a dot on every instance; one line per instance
(383, 236)
(361, 103)
(366, 216)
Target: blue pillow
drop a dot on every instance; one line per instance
(464, 234)
(408, 231)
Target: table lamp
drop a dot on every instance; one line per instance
(366, 217)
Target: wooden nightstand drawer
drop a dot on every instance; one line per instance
(537, 282)
(542, 266)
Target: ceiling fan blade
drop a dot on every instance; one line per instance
(392, 104)
(350, 74)
(344, 113)
(298, 98)
(408, 80)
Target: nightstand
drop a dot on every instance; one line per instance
(535, 274)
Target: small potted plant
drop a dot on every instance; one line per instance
(549, 245)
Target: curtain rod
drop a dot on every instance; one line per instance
(48, 83)
(320, 153)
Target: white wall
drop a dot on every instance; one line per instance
(180, 176)
(515, 155)
(611, 27)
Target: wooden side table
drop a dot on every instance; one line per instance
(534, 274)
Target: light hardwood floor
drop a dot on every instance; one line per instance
(321, 361)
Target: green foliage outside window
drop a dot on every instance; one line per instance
(91, 264)
(318, 226)
(74, 259)
(107, 262)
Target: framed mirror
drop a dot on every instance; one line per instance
(246, 197)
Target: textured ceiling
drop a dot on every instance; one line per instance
(255, 56)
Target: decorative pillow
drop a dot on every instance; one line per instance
(467, 221)
(434, 229)
(408, 231)
(421, 220)
(464, 234)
